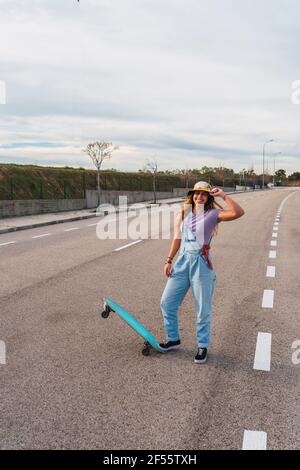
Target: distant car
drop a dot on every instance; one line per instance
(270, 185)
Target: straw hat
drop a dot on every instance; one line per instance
(201, 186)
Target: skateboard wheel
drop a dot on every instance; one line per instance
(146, 351)
(105, 314)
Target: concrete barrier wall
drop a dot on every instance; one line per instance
(31, 207)
(243, 188)
(112, 197)
(179, 192)
(42, 206)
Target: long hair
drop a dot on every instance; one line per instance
(210, 204)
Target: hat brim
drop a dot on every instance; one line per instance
(200, 189)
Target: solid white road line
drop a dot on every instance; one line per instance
(262, 359)
(284, 201)
(255, 440)
(126, 246)
(273, 243)
(70, 229)
(274, 235)
(271, 271)
(268, 299)
(43, 235)
(272, 254)
(7, 243)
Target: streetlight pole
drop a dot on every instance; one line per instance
(264, 149)
(275, 154)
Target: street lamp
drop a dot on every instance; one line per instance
(275, 155)
(263, 177)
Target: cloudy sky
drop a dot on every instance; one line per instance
(188, 82)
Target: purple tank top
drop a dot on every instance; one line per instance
(202, 225)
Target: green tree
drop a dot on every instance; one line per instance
(294, 176)
(281, 174)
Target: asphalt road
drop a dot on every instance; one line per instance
(74, 380)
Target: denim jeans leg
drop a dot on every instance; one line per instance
(173, 295)
(203, 284)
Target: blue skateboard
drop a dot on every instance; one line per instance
(150, 341)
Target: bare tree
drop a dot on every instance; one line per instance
(151, 167)
(98, 152)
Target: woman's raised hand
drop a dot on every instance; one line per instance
(217, 192)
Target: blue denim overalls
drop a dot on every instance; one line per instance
(190, 270)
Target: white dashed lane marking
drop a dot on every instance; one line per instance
(274, 235)
(70, 229)
(42, 235)
(273, 243)
(271, 271)
(272, 254)
(262, 359)
(268, 299)
(255, 440)
(126, 246)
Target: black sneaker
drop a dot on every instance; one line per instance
(170, 345)
(201, 356)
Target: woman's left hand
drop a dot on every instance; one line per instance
(217, 192)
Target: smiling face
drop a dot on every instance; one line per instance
(200, 197)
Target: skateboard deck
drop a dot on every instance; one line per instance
(150, 341)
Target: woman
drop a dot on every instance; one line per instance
(196, 224)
